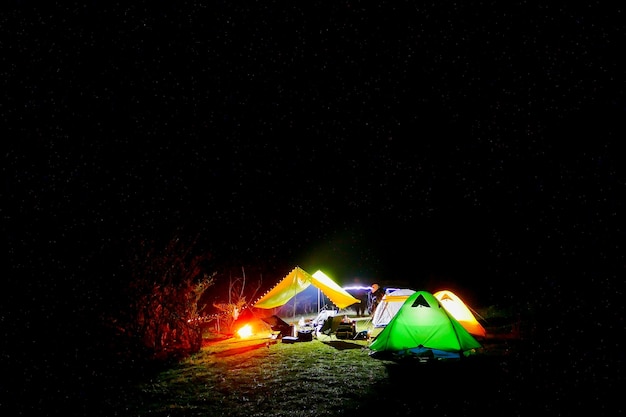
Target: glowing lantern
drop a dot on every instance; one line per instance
(245, 331)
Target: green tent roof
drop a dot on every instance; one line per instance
(423, 324)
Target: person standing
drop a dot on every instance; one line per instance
(360, 293)
(376, 296)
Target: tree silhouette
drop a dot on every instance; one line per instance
(166, 286)
(237, 301)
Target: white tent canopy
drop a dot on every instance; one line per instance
(389, 306)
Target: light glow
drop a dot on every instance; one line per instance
(320, 275)
(245, 331)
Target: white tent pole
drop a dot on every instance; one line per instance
(295, 299)
(319, 307)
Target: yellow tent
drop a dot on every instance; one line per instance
(297, 281)
(460, 311)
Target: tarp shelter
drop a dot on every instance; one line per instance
(461, 311)
(422, 328)
(389, 306)
(297, 281)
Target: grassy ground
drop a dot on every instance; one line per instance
(261, 376)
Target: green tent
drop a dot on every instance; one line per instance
(424, 329)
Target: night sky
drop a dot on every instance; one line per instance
(473, 145)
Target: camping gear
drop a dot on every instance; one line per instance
(461, 311)
(346, 330)
(321, 318)
(302, 336)
(341, 327)
(317, 324)
(279, 325)
(423, 328)
(305, 335)
(297, 281)
(330, 326)
(389, 306)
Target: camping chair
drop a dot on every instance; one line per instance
(324, 314)
(336, 326)
(329, 327)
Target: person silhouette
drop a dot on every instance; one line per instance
(376, 295)
(360, 292)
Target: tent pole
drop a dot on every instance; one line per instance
(318, 301)
(476, 313)
(295, 301)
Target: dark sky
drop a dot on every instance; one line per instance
(469, 144)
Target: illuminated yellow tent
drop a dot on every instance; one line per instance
(297, 281)
(460, 311)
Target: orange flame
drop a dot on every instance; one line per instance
(245, 331)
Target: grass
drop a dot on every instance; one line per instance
(543, 372)
(263, 377)
(260, 377)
